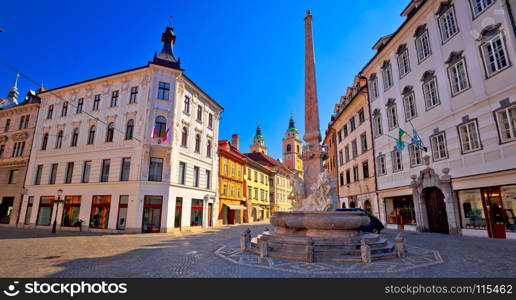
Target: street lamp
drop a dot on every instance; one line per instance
(59, 200)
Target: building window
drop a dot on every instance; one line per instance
(478, 6)
(373, 87)
(348, 176)
(199, 113)
(13, 177)
(438, 143)
(495, 55)
(403, 61)
(448, 24)
(392, 116)
(186, 108)
(365, 169)
(182, 173)
(39, 171)
(197, 143)
(339, 135)
(431, 93)
(126, 168)
(210, 121)
(196, 176)
(416, 157)
(134, 95)
(104, 177)
(400, 210)
(2, 149)
(163, 91)
(397, 163)
(380, 165)
(160, 126)
(388, 81)
(184, 137)
(18, 149)
(341, 178)
(44, 142)
(345, 130)
(24, 122)
(423, 47)
(208, 179)
(352, 125)
(50, 111)
(53, 174)
(86, 172)
(91, 135)
(96, 102)
(346, 152)
(122, 212)
(208, 149)
(59, 140)
(409, 104)
(196, 213)
(129, 129)
(155, 169)
(80, 104)
(71, 209)
(114, 99)
(341, 158)
(355, 174)
(361, 116)
(354, 148)
(69, 172)
(8, 124)
(100, 212)
(458, 77)
(75, 137)
(506, 119)
(110, 132)
(377, 125)
(469, 137)
(46, 204)
(363, 142)
(64, 109)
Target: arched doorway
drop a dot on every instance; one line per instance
(367, 206)
(436, 210)
(352, 204)
(343, 205)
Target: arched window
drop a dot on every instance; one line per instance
(75, 137)
(187, 105)
(199, 113)
(44, 142)
(161, 126)
(184, 137)
(289, 148)
(110, 132)
(208, 148)
(91, 135)
(129, 130)
(59, 140)
(197, 143)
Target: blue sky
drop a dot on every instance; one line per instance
(248, 55)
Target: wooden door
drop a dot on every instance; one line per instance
(210, 215)
(495, 212)
(436, 210)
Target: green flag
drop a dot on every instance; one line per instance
(400, 145)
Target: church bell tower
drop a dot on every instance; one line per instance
(292, 148)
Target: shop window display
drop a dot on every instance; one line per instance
(509, 204)
(400, 210)
(471, 209)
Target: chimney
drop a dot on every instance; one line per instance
(235, 141)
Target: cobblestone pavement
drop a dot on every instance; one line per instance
(40, 254)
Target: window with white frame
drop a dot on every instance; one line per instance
(416, 157)
(392, 116)
(458, 76)
(439, 149)
(377, 124)
(494, 54)
(469, 136)
(430, 91)
(448, 24)
(373, 87)
(478, 6)
(506, 119)
(388, 81)
(403, 61)
(423, 47)
(397, 163)
(409, 103)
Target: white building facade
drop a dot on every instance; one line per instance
(448, 72)
(132, 151)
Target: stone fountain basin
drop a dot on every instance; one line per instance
(319, 223)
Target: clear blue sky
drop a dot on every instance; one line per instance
(248, 55)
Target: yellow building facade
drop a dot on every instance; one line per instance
(257, 182)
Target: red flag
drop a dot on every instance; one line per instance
(165, 136)
(154, 133)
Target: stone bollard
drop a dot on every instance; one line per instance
(365, 251)
(264, 246)
(399, 245)
(245, 240)
(310, 257)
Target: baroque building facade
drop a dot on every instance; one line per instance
(17, 123)
(133, 151)
(446, 77)
(292, 149)
(257, 187)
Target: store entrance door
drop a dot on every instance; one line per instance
(6, 209)
(152, 214)
(494, 211)
(436, 209)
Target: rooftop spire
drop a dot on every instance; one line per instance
(291, 123)
(166, 56)
(12, 96)
(258, 132)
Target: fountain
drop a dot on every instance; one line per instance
(315, 231)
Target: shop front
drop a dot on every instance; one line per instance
(488, 211)
(232, 212)
(400, 212)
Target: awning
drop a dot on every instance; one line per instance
(235, 206)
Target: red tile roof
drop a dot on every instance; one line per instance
(266, 160)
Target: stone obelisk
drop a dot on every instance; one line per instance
(312, 152)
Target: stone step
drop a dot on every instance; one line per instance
(287, 249)
(331, 252)
(337, 258)
(295, 256)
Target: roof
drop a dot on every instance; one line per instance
(231, 151)
(254, 164)
(267, 161)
